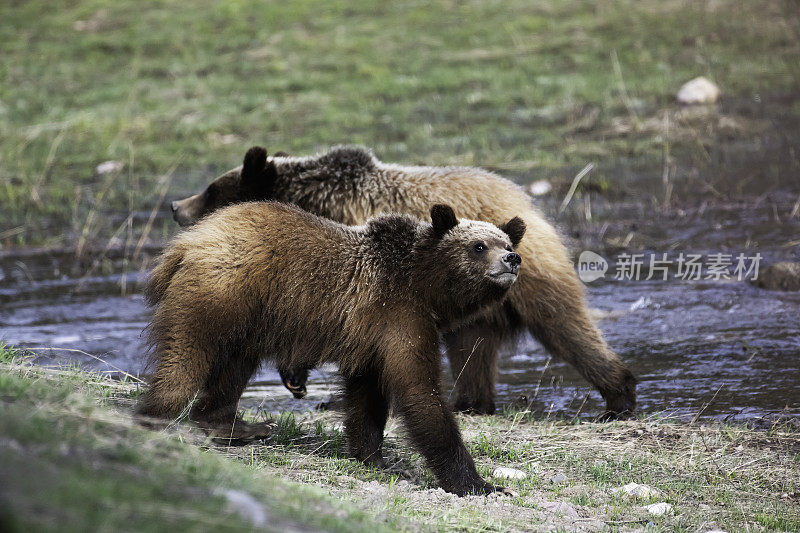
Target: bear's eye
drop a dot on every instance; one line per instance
(479, 247)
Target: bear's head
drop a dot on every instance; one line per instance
(467, 265)
(253, 181)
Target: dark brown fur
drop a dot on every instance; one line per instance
(269, 278)
(349, 185)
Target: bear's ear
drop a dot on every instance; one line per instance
(443, 219)
(515, 229)
(258, 176)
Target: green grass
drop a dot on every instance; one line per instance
(181, 89)
(72, 459)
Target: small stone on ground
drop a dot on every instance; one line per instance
(659, 509)
(107, 167)
(508, 473)
(698, 91)
(562, 508)
(783, 276)
(634, 490)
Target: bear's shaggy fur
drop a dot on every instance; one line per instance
(259, 280)
(349, 185)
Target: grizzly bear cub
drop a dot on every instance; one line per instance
(268, 280)
(349, 185)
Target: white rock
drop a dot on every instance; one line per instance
(635, 490)
(698, 91)
(641, 303)
(560, 508)
(244, 505)
(558, 478)
(659, 509)
(508, 473)
(109, 166)
(539, 188)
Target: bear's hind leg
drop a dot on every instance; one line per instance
(472, 352)
(366, 412)
(180, 373)
(215, 410)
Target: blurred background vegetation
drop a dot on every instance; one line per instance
(175, 92)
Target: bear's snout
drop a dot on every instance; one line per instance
(513, 260)
(505, 268)
(181, 210)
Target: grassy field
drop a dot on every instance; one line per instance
(73, 460)
(177, 91)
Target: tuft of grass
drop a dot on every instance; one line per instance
(286, 429)
(774, 522)
(9, 354)
(485, 444)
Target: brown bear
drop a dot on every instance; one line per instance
(348, 185)
(265, 279)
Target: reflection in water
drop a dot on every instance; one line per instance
(720, 349)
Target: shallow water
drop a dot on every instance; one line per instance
(706, 349)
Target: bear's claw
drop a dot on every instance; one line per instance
(237, 434)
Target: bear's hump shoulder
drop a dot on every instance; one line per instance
(349, 160)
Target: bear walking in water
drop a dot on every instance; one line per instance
(350, 185)
(265, 279)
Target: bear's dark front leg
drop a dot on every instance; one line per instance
(414, 384)
(366, 412)
(580, 343)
